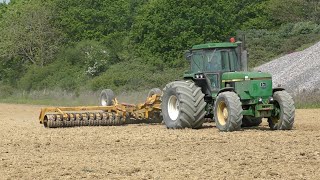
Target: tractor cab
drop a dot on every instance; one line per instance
(209, 61)
(215, 60)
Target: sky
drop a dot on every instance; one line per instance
(6, 1)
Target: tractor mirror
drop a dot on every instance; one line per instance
(188, 55)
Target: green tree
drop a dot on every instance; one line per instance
(252, 14)
(108, 22)
(165, 28)
(313, 9)
(292, 11)
(27, 34)
(92, 20)
(91, 56)
(2, 9)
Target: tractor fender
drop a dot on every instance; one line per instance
(226, 89)
(277, 89)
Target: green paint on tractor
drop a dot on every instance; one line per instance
(232, 96)
(215, 45)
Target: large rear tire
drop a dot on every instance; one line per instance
(107, 97)
(183, 105)
(249, 121)
(284, 110)
(228, 112)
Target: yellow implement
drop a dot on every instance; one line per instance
(116, 114)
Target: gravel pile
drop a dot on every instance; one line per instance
(297, 72)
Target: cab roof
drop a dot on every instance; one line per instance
(215, 45)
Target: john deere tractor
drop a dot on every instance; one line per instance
(218, 86)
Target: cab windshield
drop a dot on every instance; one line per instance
(214, 60)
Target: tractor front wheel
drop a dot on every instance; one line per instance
(183, 105)
(284, 112)
(228, 112)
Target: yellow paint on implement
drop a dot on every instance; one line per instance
(64, 110)
(143, 111)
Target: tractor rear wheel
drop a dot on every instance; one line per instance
(249, 121)
(106, 97)
(228, 112)
(284, 112)
(183, 105)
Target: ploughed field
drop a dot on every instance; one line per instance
(30, 151)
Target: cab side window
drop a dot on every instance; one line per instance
(213, 81)
(197, 61)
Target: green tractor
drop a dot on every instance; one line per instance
(218, 86)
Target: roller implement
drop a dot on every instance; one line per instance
(217, 86)
(110, 113)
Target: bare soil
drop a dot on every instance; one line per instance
(30, 151)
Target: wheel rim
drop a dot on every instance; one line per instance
(173, 107)
(222, 113)
(103, 100)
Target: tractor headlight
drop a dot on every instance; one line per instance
(260, 100)
(199, 76)
(271, 99)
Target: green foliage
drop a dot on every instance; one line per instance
(265, 45)
(304, 28)
(77, 45)
(3, 7)
(252, 14)
(156, 32)
(6, 91)
(10, 71)
(131, 76)
(293, 11)
(26, 32)
(91, 56)
(83, 19)
(60, 75)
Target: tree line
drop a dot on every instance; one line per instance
(135, 44)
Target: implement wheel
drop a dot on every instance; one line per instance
(249, 121)
(154, 91)
(156, 117)
(228, 112)
(183, 105)
(284, 112)
(107, 97)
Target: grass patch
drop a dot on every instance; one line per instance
(299, 105)
(90, 98)
(53, 98)
(308, 100)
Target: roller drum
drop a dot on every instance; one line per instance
(84, 119)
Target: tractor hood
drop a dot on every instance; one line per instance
(249, 85)
(241, 76)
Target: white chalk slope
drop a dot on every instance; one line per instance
(297, 71)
